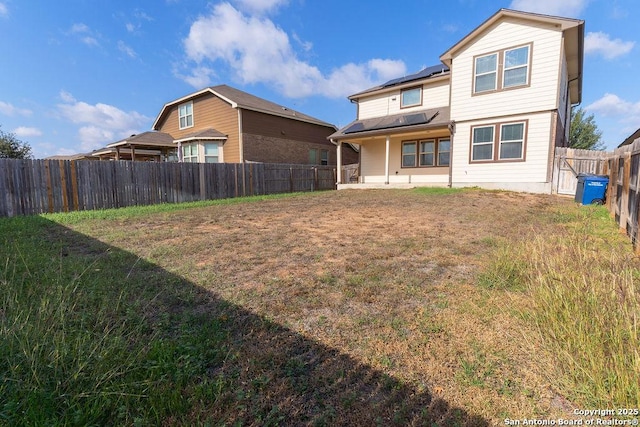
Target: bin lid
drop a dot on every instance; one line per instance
(600, 178)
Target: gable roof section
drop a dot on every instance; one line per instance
(209, 134)
(630, 139)
(148, 139)
(573, 30)
(242, 100)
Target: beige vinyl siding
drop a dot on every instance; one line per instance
(532, 170)
(433, 95)
(542, 92)
(372, 161)
(209, 111)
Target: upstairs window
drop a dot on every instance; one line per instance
(185, 114)
(508, 68)
(411, 97)
(486, 72)
(516, 67)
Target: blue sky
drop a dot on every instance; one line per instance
(78, 74)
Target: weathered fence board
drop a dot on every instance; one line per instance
(30, 187)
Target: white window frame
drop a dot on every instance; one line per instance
(432, 152)
(211, 156)
(448, 152)
(476, 74)
(409, 90)
(190, 157)
(414, 154)
(490, 143)
(515, 67)
(185, 111)
(521, 140)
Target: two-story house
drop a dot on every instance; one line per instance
(223, 124)
(490, 115)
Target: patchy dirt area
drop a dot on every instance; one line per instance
(387, 277)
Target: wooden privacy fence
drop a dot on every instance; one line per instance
(30, 187)
(569, 162)
(623, 200)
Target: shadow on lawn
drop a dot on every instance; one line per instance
(199, 359)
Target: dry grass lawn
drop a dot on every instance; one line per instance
(387, 278)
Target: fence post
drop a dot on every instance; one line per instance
(624, 205)
(291, 179)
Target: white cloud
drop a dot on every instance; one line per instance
(84, 33)
(3, 10)
(126, 49)
(258, 51)
(23, 131)
(101, 123)
(566, 8)
(130, 27)
(260, 6)
(198, 77)
(601, 43)
(10, 110)
(611, 105)
(79, 28)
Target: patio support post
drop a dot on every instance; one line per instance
(339, 164)
(386, 160)
(117, 153)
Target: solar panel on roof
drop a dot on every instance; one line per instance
(390, 122)
(427, 72)
(356, 127)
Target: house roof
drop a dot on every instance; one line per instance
(396, 123)
(424, 74)
(243, 100)
(147, 139)
(205, 134)
(630, 139)
(573, 42)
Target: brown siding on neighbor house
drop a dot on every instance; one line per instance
(256, 123)
(209, 111)
(258, 148)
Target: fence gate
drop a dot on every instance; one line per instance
(569, 162)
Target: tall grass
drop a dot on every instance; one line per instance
(79, 344)
(586, 305)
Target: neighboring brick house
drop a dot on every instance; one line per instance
(489, 115)
(223, 124)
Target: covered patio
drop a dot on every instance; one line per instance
(400, 151)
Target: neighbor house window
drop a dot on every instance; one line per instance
(313, 156)
(409, 154)
(211, 154)
(498, 142)
(427, 153)
(324, 157)
(185, 114)
(500, 70)
(190, 153)
(444, 152)
(511, 141)
(516, 66)
(482, 143)
(411, 97)
(486, 73)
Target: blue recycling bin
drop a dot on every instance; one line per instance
(591, 189)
